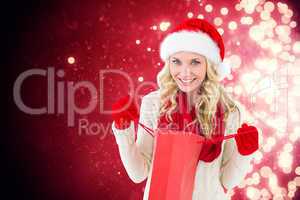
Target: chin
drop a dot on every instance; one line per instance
(187, 89)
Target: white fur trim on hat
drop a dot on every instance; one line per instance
(198, 42)
(223, 69)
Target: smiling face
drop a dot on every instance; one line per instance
(188, 70)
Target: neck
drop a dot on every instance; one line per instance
(190, 99)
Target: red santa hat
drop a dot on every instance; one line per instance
(198, 36)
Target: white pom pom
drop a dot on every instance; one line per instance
(224, 70)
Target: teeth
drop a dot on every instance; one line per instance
(186, 80)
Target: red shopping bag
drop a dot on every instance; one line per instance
(174, 165)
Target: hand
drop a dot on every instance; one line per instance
(247, 139)
(122, 116)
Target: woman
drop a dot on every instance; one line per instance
(190, 97)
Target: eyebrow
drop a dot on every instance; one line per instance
(192, 59)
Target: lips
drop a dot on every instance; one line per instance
(186, 81)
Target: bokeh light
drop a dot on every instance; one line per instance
(71, 60)
(263, 75)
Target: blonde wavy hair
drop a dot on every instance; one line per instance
(209, 94)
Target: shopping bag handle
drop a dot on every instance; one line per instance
(219, 138)
(214, 140)
(147, 129)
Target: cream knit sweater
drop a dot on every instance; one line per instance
(229, 169)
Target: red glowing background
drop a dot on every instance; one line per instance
(46, 157)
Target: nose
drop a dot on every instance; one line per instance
(186, 70)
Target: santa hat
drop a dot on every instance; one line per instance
(198, 36)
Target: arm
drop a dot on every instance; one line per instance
(136, 156)
(234, 166)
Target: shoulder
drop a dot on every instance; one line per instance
(238, 111)
(236, 117)
(152, 97)
(150, 104)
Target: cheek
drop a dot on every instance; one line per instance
(173, 71)
(200, 73)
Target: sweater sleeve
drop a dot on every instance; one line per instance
(136, 155)
(234, 166)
